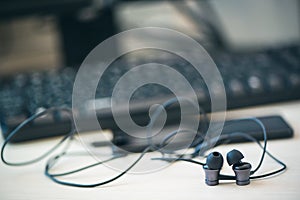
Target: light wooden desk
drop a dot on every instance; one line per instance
(178, 181)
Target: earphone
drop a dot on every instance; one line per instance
(214, 163)
(212, 167)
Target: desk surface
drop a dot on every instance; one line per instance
(177, 181)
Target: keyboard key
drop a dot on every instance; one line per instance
(255, 84)
(275, 82)
(294, 80)
(236, 87)
(20, 81)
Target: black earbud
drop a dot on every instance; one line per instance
(214, 163)
(241, 169)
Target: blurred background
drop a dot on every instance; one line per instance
(47, 34)
(43, 42)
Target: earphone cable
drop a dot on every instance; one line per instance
(29, 120)
(52, 177)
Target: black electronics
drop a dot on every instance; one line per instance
(276, 127)
(266, 74)
(250, 79)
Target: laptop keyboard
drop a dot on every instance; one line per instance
(256, 78)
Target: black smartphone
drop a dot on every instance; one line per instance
(276, 128)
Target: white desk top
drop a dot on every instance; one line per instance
(178, 181)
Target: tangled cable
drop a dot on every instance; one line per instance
(198, 144)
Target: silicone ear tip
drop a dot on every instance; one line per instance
(214, 161)
(234, 157)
